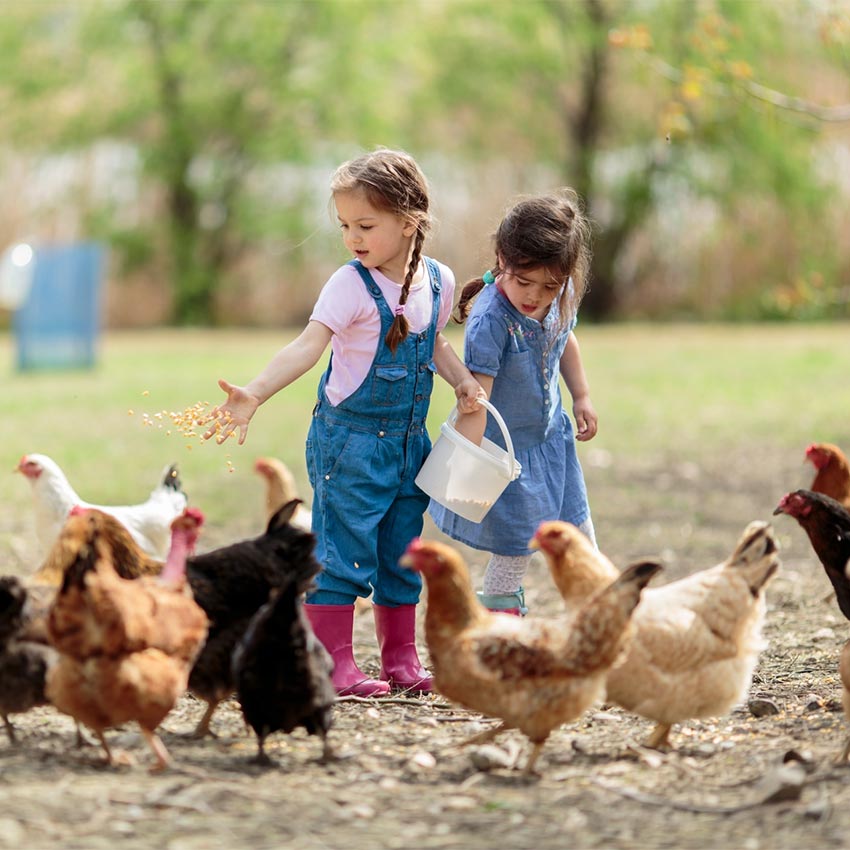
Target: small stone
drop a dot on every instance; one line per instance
(423, 759)
(762, 707)
(490, 757)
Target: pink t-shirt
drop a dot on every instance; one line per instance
(346, 307)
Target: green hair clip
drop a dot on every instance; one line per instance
(488, 277)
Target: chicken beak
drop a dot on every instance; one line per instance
(407, 559)
(533, 543)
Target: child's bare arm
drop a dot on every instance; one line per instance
(290, 363)
(452, 369)
(572, 371)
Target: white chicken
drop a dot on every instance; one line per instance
(149, 522)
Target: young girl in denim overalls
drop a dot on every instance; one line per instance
(382, 314)
(519, 341)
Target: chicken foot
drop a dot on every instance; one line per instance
(328, 753)
(486, 736)
(163, 759)
(262, 756)
(842, 759)
(113, 759)
(9, 729)
(660, 737)
(537, 747)
(203, 727)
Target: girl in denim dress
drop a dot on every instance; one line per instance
(382, 315)
(519, 341)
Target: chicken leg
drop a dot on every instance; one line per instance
(486, 736)
(660, 737)
(163, 759)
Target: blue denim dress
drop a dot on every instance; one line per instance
(523, 355)
(362, 458)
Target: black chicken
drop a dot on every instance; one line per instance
(283, 673)
(23, 663)
(827, 523)
(231, 584)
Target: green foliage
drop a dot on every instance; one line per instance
(642, 107)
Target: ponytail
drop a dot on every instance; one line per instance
(467, 295)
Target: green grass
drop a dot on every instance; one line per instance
(689, 391)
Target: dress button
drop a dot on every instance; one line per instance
(327, 478)
(380, 433)
(546, 386)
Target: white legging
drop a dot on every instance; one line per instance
(504, 573)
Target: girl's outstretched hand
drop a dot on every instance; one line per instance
(234, 413)
(586, 419)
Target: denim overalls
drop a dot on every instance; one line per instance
(362, 458)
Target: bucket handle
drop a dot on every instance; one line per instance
(500, 422)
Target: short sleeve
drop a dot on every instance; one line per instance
(447, 295)
(343, 301)
(485, 343)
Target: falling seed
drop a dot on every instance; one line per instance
(130, 412)
(146, 392)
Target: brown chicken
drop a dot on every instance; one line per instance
(532, 674)
(129, 559)
(832, 475)
(696, 641)
(125, 646)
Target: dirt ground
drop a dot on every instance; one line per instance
(746, 780)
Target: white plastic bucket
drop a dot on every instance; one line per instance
(465, 478)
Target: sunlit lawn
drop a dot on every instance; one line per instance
(683, 391)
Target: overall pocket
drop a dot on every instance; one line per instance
(388, 384)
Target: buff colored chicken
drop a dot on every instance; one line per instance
(280, 489)
(125, 646)
(533, 675)
(697, 640)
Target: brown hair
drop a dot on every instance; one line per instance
(548, 231)
(391, 181)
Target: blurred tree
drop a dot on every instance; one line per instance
(213, 97)
(549, 80)
(668, 117)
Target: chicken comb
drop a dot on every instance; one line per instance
(194, 514)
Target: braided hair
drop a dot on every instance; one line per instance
(391, 181)
(549, 231)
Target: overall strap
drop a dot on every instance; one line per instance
(434, 274)
(366, 277)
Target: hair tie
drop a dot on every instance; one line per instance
(488, 277)
(399, 310)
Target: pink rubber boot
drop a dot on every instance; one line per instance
(400, 665)
(333, 625)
